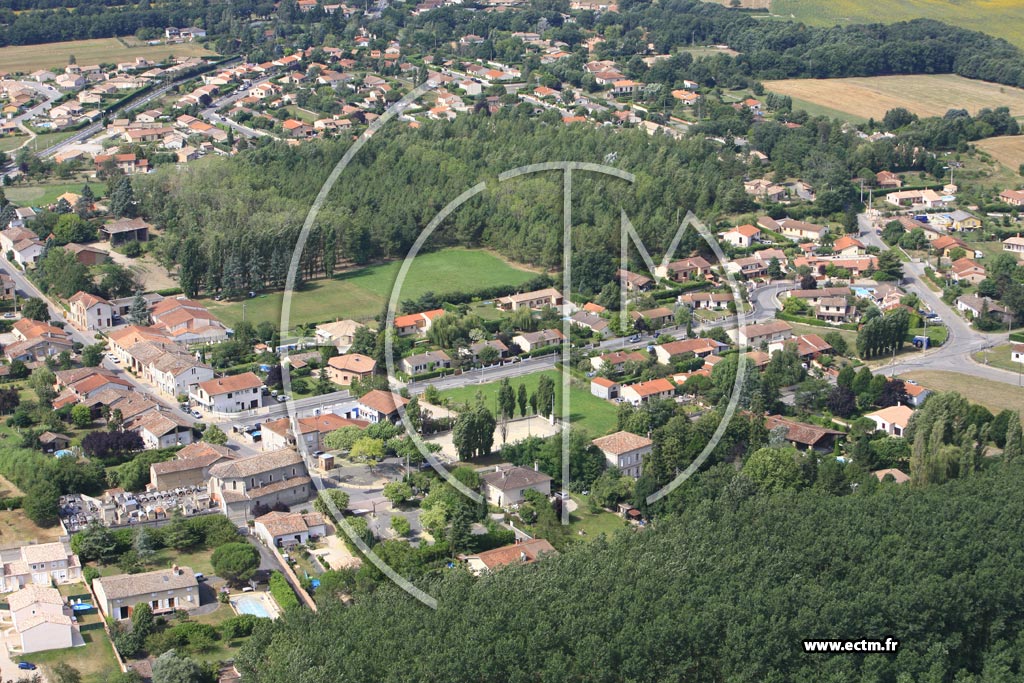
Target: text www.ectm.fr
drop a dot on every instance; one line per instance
(887, 646)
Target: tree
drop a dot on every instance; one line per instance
(523, 400)
(170, 667)
(180, 534)
(92, 355)
(36, 309)
(70, 227)
(1014, 448)
(889, 267)
(41, 503)
(138, 314)
(96, 542)
(236, 562)
(367, 450)
(545, 395)
(473, 435)
(122, 198)
(81, 416)
(65, 673)
(215, 435)
(773, 469)
(506, 398)
(337, 497)
(400, 525)
(842, 401)
(397, 492)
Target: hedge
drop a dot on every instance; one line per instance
(282, 592)
(1017, 337)
(782, 315)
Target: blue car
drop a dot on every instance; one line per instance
(28, 666)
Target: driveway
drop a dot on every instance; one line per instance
(9, 670)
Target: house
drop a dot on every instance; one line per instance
(945, 245)
(892, 420)
(51, 442)
(652, 390)
(164, 590)
(125, 230)
(807, 346)
(86, 254)
(238, 487)
(602, 387)
(187, 321)
(888, 180)
(285, 529)
(1017, 353)
(798, 230)
(892, 474)
(916, 394)
(521, 552)
(42, 564)
(505, 485)
(426, 362)
(967, 270)
(692, 268)
(7, 287)
(963, 221)
(654, 318)
(278, 434)
(174, 372)
(813, 297)
(848, 246)
(802, 435)
(834, 309)
(474, 349)
(41, 619)
(634, 282)
(1012, 197)
(532, 300)
(765, 190)
(343, 370)
(742, 236)
(379, 406)
(531, 341)
(701, 348)
(762, 333)
(340, 334)
(1014, 245)
(161, 429)
(229, 394)
(616, 360)
(625, 451)
(973, 306)
(927, 198)
(416, 323)
(709, 301)
(190, 467)
(590, 321)
(89, 312)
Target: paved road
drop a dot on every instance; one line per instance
(963, 341)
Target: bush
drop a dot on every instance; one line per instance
(90, 573)
(239, 627)
(235, 562)
(282, 592)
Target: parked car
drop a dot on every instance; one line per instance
(282, 398)
(196, 414)
(27, 666)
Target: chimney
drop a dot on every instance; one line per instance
(522, 556)
(175, 570)
(536, 468)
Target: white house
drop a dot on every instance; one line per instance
(164, 590)
(505, 485)
(742, 235)
(229, 394)
(283, 529)
(1017, 353)
(41, 619)
(892, 420)
(625, 451)
(89, 312)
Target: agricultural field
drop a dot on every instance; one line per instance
(593, 414)
(995, 396)
(999, 18)
(924, 95)
(363, 293)
(1006, 149)
(29, 58)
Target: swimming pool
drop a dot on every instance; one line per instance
(256, 604)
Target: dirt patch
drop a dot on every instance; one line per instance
(150, 274)
(17, 530)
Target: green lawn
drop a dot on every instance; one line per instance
(363, 293)
(43, 194)
(938, 334)
(595, 415)
(164, 558)
(821, 110)
(999, 357)
(12, 142)
(995, 396)
(990, 249)
(44, 140)
(95, 660)
(593, 524)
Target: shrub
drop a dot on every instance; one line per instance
(282, 592)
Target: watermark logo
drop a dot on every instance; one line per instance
(629, 236)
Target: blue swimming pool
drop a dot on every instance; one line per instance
(250, 604)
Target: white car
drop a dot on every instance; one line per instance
(112, 358)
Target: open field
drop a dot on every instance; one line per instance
(999, 357)
(29, 58)
(16, 529)
(596, 416)
(995, 396)
(95, 660)
(12, 142)
(41, 195)
(363, 293)
(999, 18)
(1006, 149)
(926, 95)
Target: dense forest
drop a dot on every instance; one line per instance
(725, 591)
